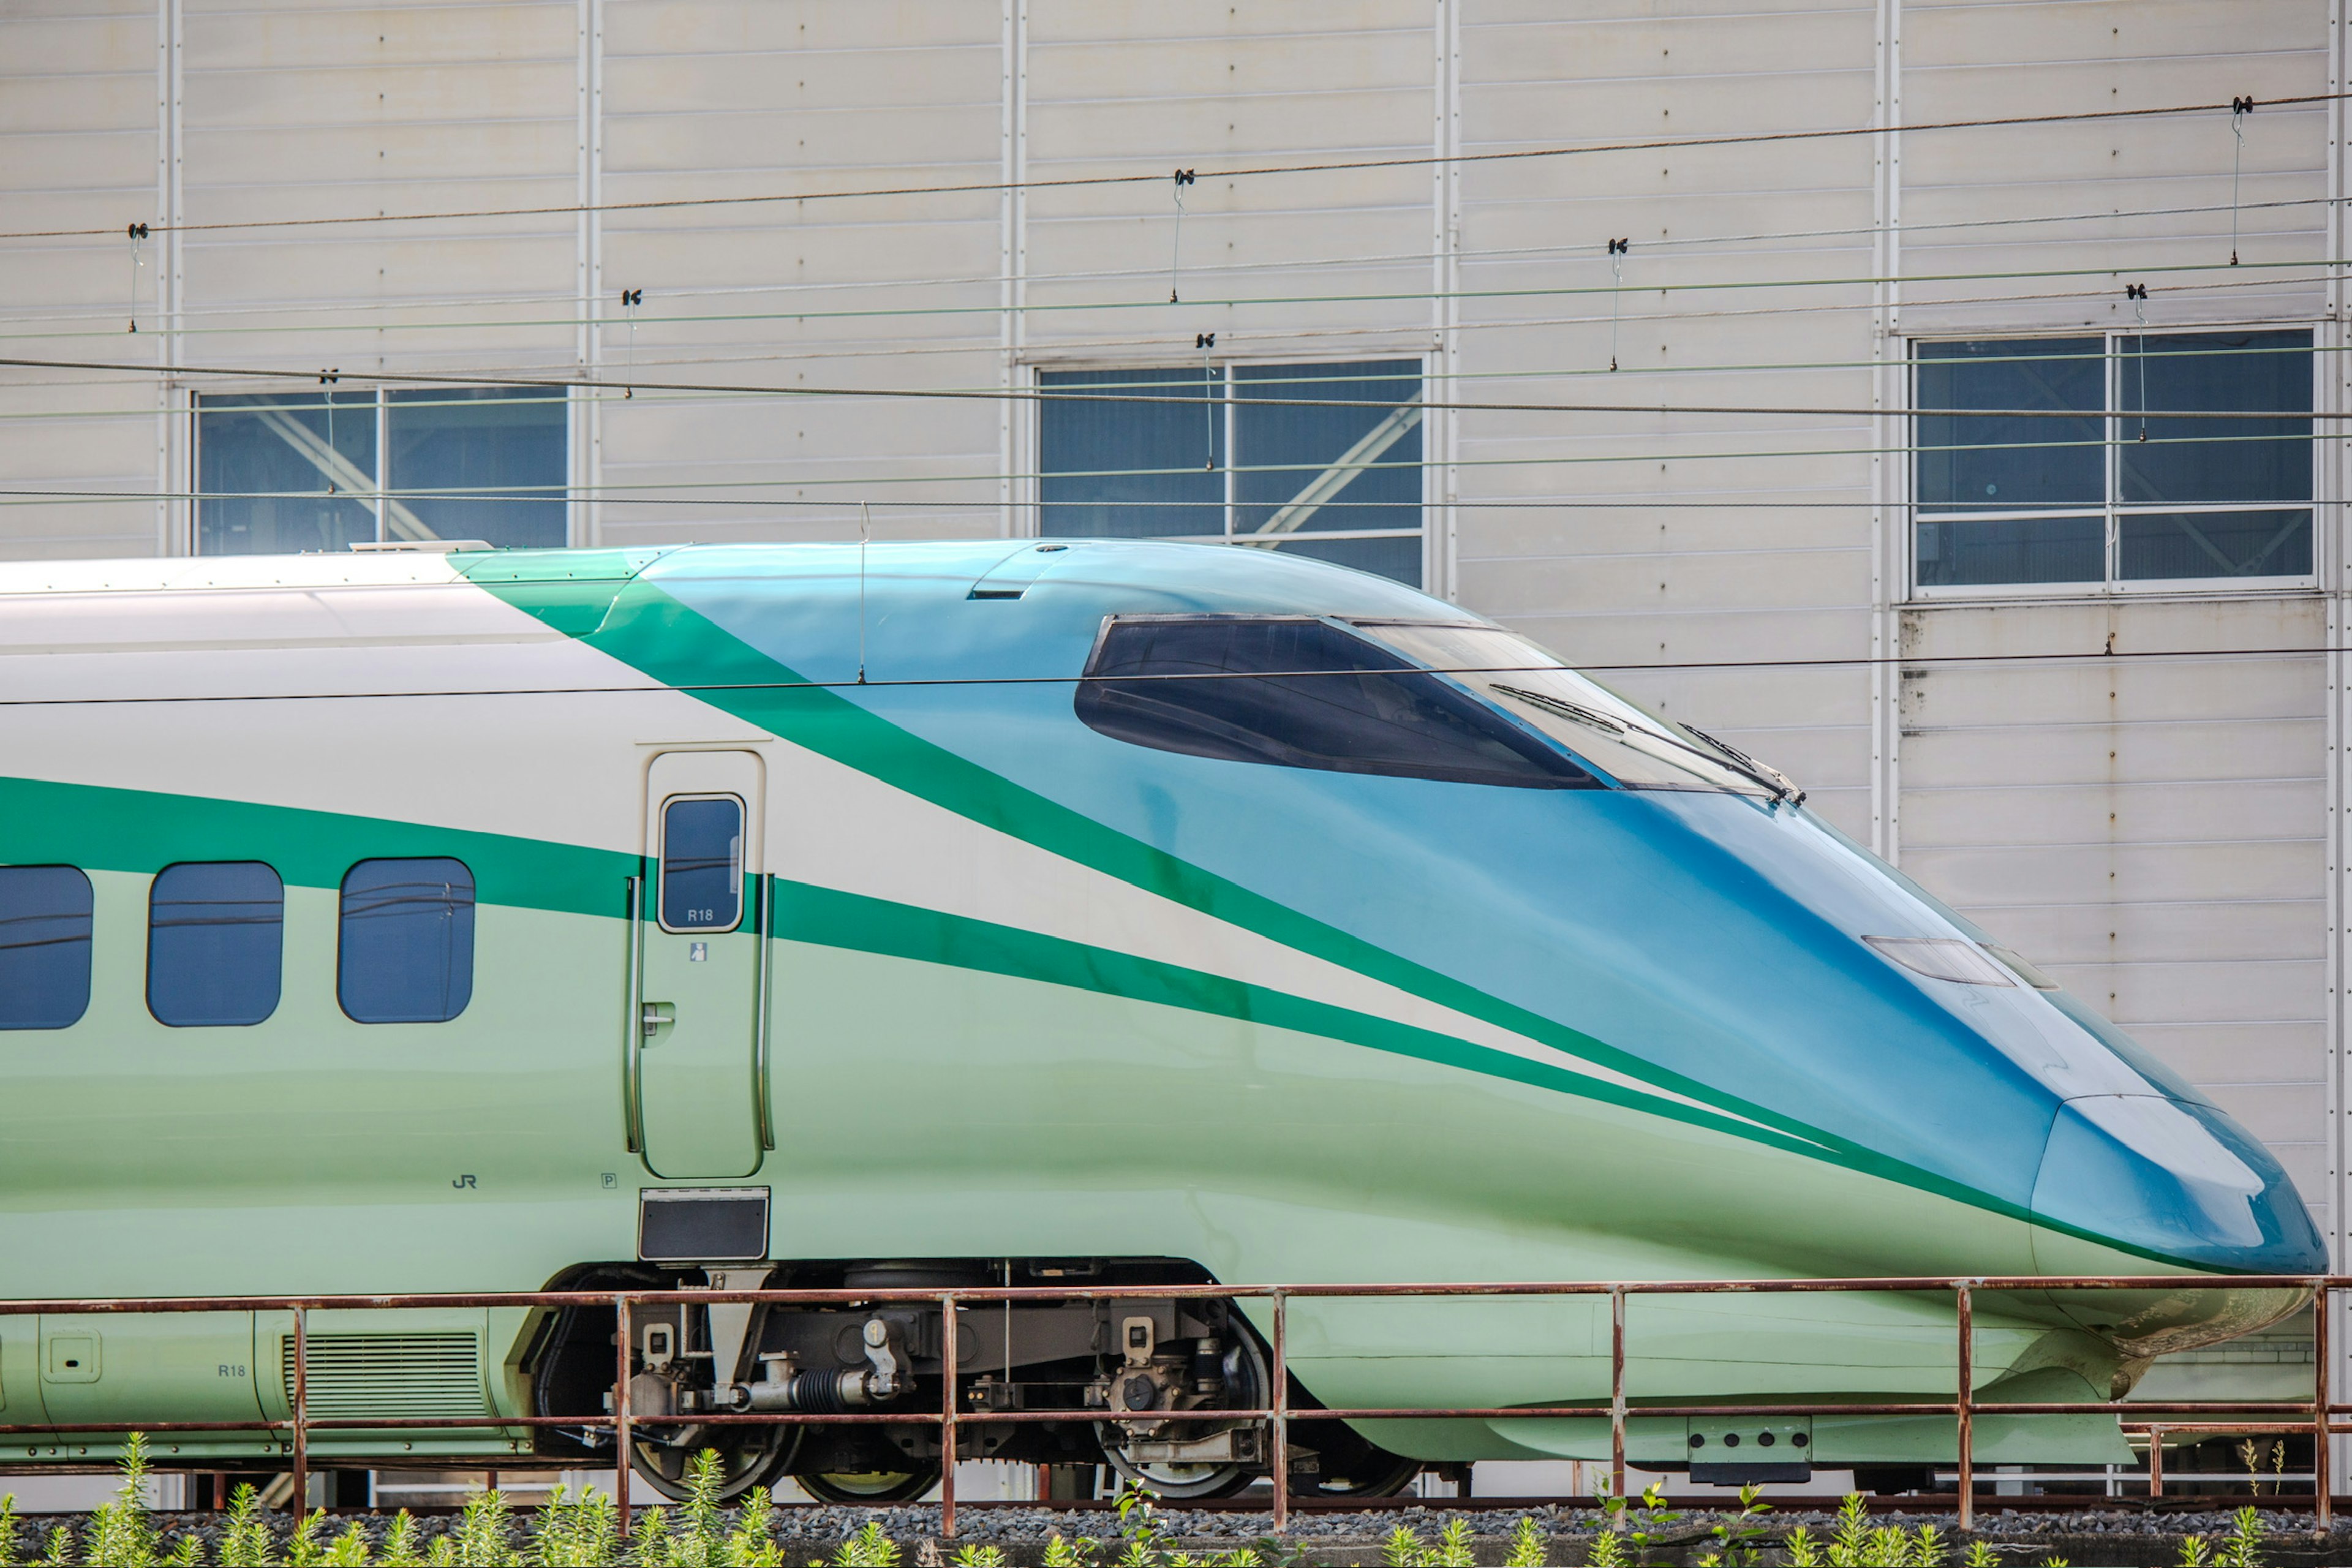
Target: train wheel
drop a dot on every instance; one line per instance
(870, 1486)
(747, 1463)
(1374, 1473)
(1247, 1380)
(1182, 1483)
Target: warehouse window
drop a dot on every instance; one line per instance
(213, 943)
(288, 471)
(45, 917)
(407, 949)
(1303, 694)
(2115, 460)
(1322, 460)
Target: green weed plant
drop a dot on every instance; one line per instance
(582, 1531)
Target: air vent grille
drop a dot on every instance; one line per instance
(353, 1376)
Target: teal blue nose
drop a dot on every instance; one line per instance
(2173, 1179)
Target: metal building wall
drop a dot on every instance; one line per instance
(2157, 831)
(2166, 835)
(82, 145)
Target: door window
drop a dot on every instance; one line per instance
(702, 863)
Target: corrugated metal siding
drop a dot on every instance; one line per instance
(1127, 89)
(706, 98)
(1962, 189)
(78, 148)
(352, 109)
(1641, 539)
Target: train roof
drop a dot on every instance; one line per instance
(1211, 578)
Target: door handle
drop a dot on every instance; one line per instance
(655, 1015)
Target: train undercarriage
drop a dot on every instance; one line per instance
(1170, 1364)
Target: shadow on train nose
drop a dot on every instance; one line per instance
(2173, 1179)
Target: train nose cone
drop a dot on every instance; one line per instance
(2175, 1180)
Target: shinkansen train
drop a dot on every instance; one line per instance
(1044, 913)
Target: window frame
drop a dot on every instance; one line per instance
(1032, 514)
(189, 464)
(2111, 509)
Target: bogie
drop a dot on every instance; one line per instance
(1156, 1369)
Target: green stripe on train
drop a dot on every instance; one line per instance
(101, 828)
(827, 916)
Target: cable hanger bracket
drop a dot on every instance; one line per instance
(137, 234)
(1182, 178)
(2138, 293)
(2238, 108)
(1206, 343)
(1618, 250)
(630, 300)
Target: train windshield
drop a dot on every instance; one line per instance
(1303, 693)
(1628, 743)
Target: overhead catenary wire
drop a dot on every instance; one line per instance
(1069, 182)
(574, 320)
(1042, 394)
(2094, 656)
(1292, 338)
(928, 508)
(1503, 255)
(498, 378)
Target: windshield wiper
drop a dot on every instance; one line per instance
(1765, 774)
(1776, 783)
(1550, 704)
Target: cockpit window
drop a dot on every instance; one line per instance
(1303, 693)
(1633, 746)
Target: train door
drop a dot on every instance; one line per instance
(699, 991)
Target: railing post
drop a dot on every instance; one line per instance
(1967, 1431)
(302, 1498)
(302, 1400)
(2156, 1461)
(1280, 1458)
(947, 1415)
(1617, 1401)
(2322, 1469)
(621, 1438)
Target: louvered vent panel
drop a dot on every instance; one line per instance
(356, 1375)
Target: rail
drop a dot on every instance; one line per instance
(2319, 1414)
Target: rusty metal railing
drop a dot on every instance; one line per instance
(2318, 1416)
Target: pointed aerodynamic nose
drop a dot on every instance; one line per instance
(2177, 1180)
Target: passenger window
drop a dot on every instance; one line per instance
(1304, 694)
(408, 945)
(214, 944)
(702, 863)
(44, 946)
